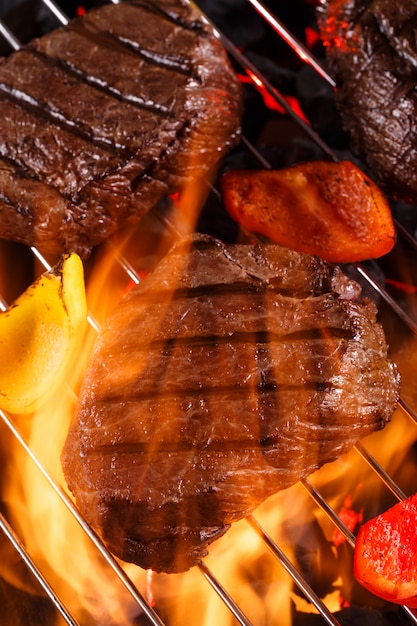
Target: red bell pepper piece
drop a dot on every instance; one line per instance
(385, 555)
(332, 210)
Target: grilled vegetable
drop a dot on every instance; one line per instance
(38, 335)
(332, 210)
(385, 557)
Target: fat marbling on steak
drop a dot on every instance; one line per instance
(229, 373)
(104, 117)
(371, 51)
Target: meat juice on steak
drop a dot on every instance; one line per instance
(370, 47)
(106, 116)
(230, 373)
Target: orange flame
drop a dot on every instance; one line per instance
(240, 561)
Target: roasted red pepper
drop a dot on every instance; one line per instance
(332, 210)
(385, 556)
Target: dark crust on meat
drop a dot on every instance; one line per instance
(228, 374)
(104, 117)
(370, 47)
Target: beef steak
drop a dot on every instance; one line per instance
(229, 373)
(370, 46)
(104, 117)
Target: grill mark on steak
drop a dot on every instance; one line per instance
(111, 41)
(257, 337)
(166, 62)
(99, 84)
(267, 443)
(32, 105)
(219, 390)
(313, 335)
(219, 289)
(173, 16)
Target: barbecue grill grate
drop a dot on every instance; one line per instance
(395, 314)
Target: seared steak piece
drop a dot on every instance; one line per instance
(371, 51)
(102, 118)
(229, 373)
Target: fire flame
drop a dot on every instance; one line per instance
(241, 561)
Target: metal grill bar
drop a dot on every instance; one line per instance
(283, 32)
(331, 514)
(8, 36)
(118, 570)
(412, 325)
(21, 550)
(385, 478)
(257, 77)
(293, 572)
(226, 597)
(56, 10)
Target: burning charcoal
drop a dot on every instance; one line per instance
(214, 221)
(314, 556)
(317, 102)
(19, 607)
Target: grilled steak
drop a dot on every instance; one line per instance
(371, 51)
(229, 373)
(104, 117)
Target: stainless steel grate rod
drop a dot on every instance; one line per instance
(258, 79)
(293, 572)
(24, 555)
(8, 36)
(283, 32)
(111, 561)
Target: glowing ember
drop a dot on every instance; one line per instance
(351, 519)
(269, 99)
